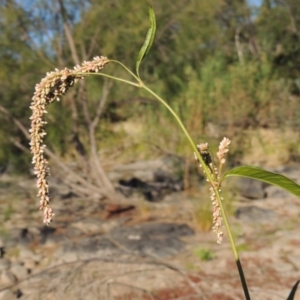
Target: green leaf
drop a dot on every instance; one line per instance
(148, 41)
(293, 291)
(266, 176)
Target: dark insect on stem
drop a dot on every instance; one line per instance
(206, 158)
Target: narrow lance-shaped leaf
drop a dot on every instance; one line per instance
(265, 176)
(148, 41)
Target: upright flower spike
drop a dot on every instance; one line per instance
(51, 88)
(215, 182)
(223, 149)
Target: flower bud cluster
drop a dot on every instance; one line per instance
(223, 149)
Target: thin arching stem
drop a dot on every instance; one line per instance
(140, 84)
(111, 77)
(124, 67)
(216, 190)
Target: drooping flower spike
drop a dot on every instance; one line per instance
(51, 88)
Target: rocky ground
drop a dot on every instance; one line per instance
(151, 250)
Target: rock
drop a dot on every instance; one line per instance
(59, 189)
(143, 170)
(255, 214)
(68, 256)
(86, 248)
(48, 235)
(89, 225)
(295, 260)
(4, 264)
(46, 232)
(275, 192)
(284, 267)
(7, 278)
(7, 295)
(25, 253)
(152, 179)
(19, 271)
(154, 239)
(251, 189)
(153, 191)
(71, 232)
(22, 235)
(110, 224)
(28, 258)
(92, 225)
(26, 236)
(29, 264)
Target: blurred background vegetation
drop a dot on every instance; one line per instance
(228, 67)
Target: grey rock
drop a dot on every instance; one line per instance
(255, 214)
(25, 235)
(89, 225)
(4, 264)
(21, 235)
(143, 170)
(295, 260)
(251, 189)
(25, 253)
(47, 234)
(277, 193)
(153, 179)
(154, 239)
(29, 263)
(7, 295)
(59, 189)
(72, 232)
(19, 271)
(7, 278)
(97, 246)
(12, 238)
(65, 255)
(283, 267)
(109, 225)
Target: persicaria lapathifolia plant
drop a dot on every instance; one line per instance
(56, 84)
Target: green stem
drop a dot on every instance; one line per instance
(207, 171)
(111, 77)
(210, 178)
(140, 84)
(128, 70)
